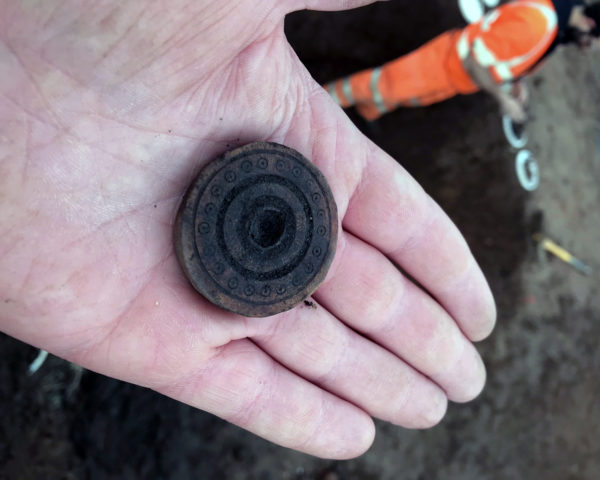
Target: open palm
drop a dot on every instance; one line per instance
(107, 112)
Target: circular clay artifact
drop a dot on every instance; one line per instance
(257, 230)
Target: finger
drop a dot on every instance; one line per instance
(173, 341)
(314, 344)
(379, 202)
(246, 387)
(372, 297)
(391, 212)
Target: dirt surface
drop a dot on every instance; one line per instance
(539, 416)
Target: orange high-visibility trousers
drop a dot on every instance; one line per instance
(430, 74)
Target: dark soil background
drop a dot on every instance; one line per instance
(539, 416)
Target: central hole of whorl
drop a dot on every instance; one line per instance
(267, 227)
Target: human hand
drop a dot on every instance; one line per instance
(580, 21)
(513, 107)
(107, 112)
(520, 92)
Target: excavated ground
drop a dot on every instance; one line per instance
(539, 416)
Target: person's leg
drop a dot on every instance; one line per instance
(417, 79)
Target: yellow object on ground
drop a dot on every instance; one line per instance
(561, 253)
